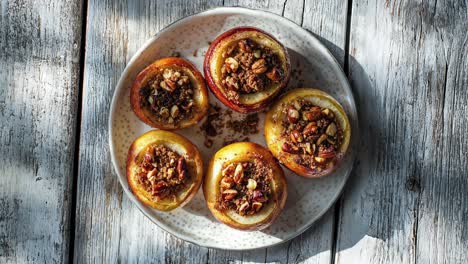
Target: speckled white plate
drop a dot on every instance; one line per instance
(313, 66)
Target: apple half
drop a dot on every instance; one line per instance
(308, 131)
(169, 94)
(144, 179)
(242, 153)
(250, 83)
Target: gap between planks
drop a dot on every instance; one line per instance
(79, 105)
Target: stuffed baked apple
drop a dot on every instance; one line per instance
(164, 169)
(308, 131)
(169, 94)
(246, 68)
(245, 187)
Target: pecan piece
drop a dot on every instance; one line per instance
(327, 153)
(228, 170)
(313, 114)
(288, 148)
(182, 168)
(152, 173)
(171, 85)
(227, 182)
(311, 128)
(296, 136)
(238, 173)
(260, 66)
(245, 45)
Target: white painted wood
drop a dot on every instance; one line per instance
(110, 229)
(39, 76)
(407, 202)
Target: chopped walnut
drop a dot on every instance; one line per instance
(245, 187)
(312, 133)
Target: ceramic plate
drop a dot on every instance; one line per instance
(312, 66)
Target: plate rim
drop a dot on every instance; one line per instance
(241, 10)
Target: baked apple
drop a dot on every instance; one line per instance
(164, 169)
(245, 186)
(246, 68)
(169, 94)
(308, 131)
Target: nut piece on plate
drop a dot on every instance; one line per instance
(169, 94)
(164, 169)
(246, 68)
(245, 186)
(308, 131)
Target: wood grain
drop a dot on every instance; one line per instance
(407, 202)
(39, 76)
(109, 228)
(327, 21)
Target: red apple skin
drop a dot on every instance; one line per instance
(217, 91)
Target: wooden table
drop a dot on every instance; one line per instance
(406, 201)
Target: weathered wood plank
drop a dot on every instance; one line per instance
(39, 76)
(110, 228)
(126, 234)
(327, 20)
(408, 201)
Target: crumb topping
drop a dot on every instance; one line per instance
(169, 96)
(245, 187)
(249, 68)
(162, 172)
(311, 133)
(236, 128)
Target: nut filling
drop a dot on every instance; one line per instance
(170, 96)
(311, 133)
(162, 172)
(249, 68)
(245, 187)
